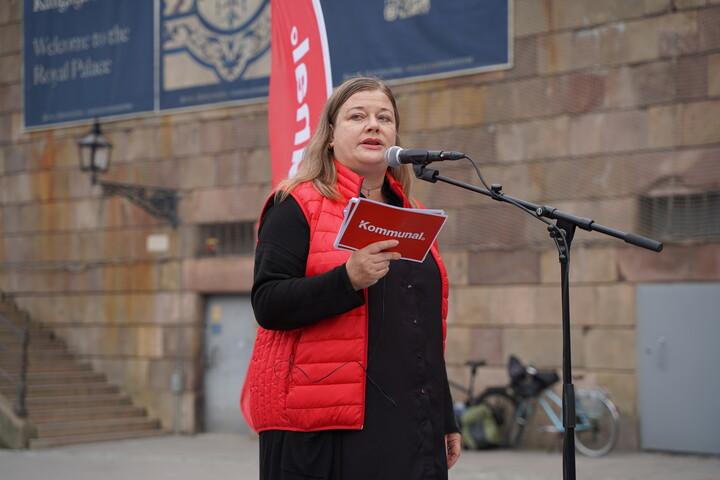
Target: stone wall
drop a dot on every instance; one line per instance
(606, 100)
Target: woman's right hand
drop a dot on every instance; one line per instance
(368, 265)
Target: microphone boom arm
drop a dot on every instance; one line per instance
(433, 176)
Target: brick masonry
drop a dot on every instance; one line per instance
(606, 101)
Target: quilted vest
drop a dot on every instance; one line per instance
(313, 378)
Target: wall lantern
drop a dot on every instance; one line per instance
(94, 152)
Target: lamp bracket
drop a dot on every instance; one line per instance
(158, 202)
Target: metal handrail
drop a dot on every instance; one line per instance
(22, 332)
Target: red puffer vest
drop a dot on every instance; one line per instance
(313, 378)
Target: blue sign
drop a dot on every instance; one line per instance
(213, 51)
(87, 58)
(110, 58)
(410, 39)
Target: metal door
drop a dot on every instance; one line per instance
(678, 336)
(229, 335)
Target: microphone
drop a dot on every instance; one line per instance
(396, 156)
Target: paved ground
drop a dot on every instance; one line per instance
(233, 457)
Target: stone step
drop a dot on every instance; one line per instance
(37, 404)
(33, 355)
(47, 368)
(58, 389)
(86, 413)
(68, 376)
(16, 348)
(39, 443)
(34, 344)
(64, 429)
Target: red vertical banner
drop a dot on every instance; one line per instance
(300, 81)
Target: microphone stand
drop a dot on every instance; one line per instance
(562, 233)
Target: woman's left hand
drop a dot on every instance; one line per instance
(453, 447)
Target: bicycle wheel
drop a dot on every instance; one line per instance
(597, 423)
(503, 408)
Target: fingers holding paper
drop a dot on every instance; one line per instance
(369, 264)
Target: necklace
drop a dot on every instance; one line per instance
(366, 191)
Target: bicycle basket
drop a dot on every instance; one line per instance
(479, 428)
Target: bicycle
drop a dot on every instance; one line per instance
(597, 419)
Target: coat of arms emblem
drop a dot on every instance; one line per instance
(220, 37)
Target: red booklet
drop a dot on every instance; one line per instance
(367, 221)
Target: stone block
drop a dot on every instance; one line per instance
(217, 136)
(457, 265)
(513, 305)
(522, 99)
(10, 37)
(580, 92)
(223, 204)
(531, 17)
(502, 267)
(149, 341)
(185, 139)
(616, 304)
(414, 111)
(610, 348)
(713, 75)
(687, 4)
(708, 31)
(608, 132)
(486, 344)
(588, 265)
(161, 372)
(168, 276)
(256, 166)
(640, 85)
(467, 106)
(622, 388)
(142, 145)
(585, 13)
(471, 306)
(678, 34)
(229, 168)
(10, 98)
(10, 68)
(457, 344)
(657, 6)
(440, 113)
(182, 342)
(197, 172)
(218, 274)
(699, 123)
(531, 140)
(5, 128)
(250, 131)
(676, 263)
(525, 57)
(692, 77)
(663, 126)
(17, 189)
(706, 263)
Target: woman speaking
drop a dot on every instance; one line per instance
(347, 378)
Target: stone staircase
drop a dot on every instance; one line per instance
(66, 400)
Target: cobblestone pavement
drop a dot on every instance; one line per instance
(234, 457)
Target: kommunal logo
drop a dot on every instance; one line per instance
(366, 225)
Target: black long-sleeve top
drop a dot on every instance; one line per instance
(408, 408)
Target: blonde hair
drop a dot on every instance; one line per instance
(317, 164)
